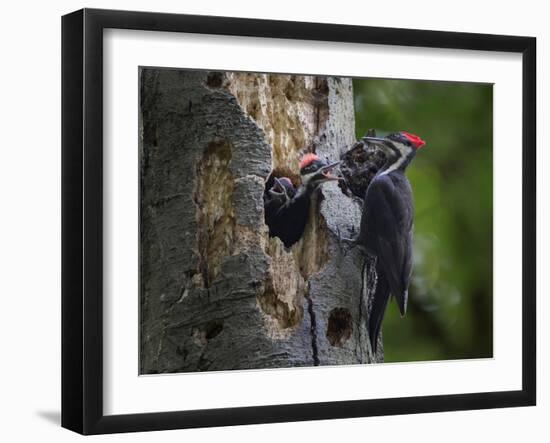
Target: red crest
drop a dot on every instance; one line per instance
(307, 159)
(415, 140)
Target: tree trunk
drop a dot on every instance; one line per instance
(216, 292)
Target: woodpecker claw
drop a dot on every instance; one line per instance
(341, 240)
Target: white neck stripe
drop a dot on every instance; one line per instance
(404, 151)
(395, 165)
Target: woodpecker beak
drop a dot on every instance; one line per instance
(325, 172)
(382, 143)
(378, 141)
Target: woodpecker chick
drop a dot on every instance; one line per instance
(276, 197)
(314, 171)
(386, 228)
(288, 221)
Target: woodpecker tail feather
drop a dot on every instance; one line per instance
(402, 302)
(380, 301)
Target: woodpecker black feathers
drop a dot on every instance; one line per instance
(287, 208)
(276, 197)
(386, 228)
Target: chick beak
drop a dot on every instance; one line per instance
(325, 172)
(278, 190)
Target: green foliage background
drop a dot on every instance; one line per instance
(450, 299)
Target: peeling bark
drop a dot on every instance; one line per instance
(216, 293)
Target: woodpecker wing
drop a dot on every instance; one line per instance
(388, 203)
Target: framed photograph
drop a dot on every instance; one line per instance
(269, 221)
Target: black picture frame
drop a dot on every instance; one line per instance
(82, 216)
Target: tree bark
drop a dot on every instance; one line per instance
(216, 292)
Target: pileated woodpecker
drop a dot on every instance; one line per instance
(287, 212)
(386, 228)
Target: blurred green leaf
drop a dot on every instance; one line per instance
(450, 313)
